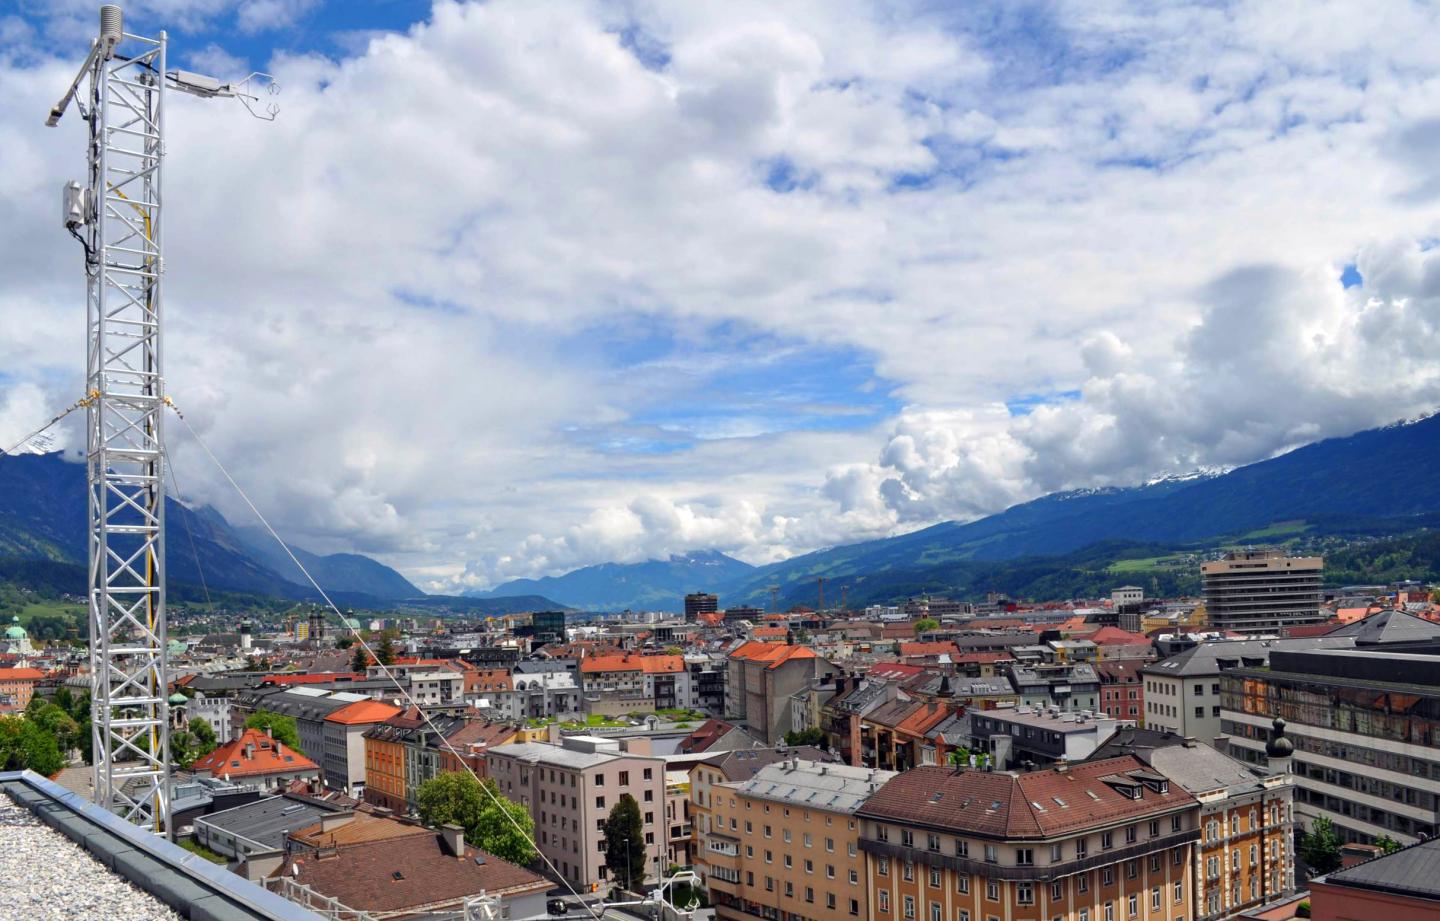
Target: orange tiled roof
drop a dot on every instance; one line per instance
(21, 674)
(633, 663)
(775, 654)
(268, 757)
(363, 711)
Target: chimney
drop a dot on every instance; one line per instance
(1354, 854)
(454, 837)
(333, 820)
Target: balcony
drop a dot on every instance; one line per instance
(966, 865)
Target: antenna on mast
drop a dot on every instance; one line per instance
(116, 216)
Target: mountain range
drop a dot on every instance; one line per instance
(1378, 482)
(1079, 543)
(42, 518)
(657, 585)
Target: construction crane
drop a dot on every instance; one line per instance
(116, 216)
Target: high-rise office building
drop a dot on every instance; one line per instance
(1262, 591)
(698, 603)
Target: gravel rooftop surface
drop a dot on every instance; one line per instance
(50, 878)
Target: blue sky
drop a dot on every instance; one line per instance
(528, 286)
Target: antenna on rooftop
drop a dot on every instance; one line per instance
(116, 216)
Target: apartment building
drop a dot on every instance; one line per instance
(1063, 686)
(1111, 840)
(569, 790)
(342, 755)
(385, 780)
(628, 683)
(724, 767)
(783, 845)
(1122, 690)
(1245, 857)
(761, 679)
(1182, 693)
(1364, 724)
(1262, 591)
(1037, 736)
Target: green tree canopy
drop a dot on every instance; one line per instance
(625, 843)
(1388, 844)
(926, 624)
(812, 736)
(281, 727)
(204, 735)
(359, 660)
(1320, 846)
(491, 822)
(25, 745)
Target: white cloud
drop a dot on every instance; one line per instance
(380, 302)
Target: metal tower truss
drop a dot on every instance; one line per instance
(116, 217)
(126, 499)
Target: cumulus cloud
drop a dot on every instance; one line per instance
(382, 304)
(1280, 357)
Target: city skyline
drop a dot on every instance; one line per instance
(513, 289)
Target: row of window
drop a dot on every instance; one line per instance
(1024, 856)
(1025, 895)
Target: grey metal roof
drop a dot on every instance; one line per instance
(266, 821)
(554, 755)
(829, 787)
(1389, 627)
(1414, 870)
(1201, 769)
(1206, 659)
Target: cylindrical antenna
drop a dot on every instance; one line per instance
(112, 26)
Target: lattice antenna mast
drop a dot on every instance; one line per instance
(117, 218)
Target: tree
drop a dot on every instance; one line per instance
(491, 822)
(812, 736)
(54, 720)
(625, 843)
(25, 745)
(344, 642)
(184, 748)
(204, 735)
(360, 660)
(281, 727)
(385, 654)
(1388, 844)
(925, 625)
(1320, 846)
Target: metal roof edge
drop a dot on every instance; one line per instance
(254, 899)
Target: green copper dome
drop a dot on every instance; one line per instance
(178, 700)
(15, 631)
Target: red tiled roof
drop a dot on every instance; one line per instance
(409, 872)
(21, 674)
(895, 670)
(363, 711)
(776, 654)
(632, 663)
(776, 632)
(705, 736)
(1040, 804)
(268, 757)
(1114, 636)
